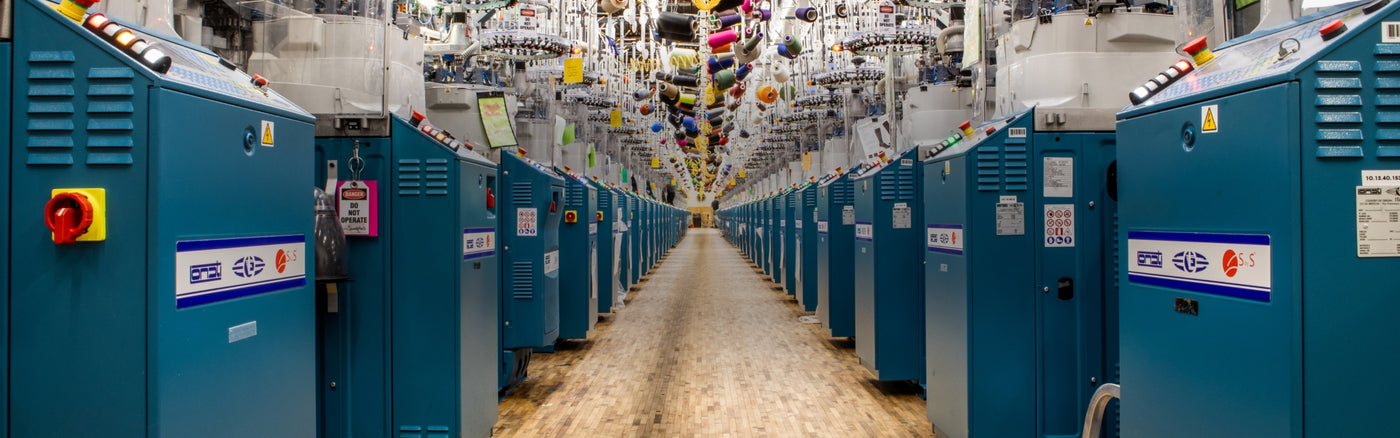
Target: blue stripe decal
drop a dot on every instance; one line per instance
(478, 255)
(478, 230)
(239, 292)
(1235, 292)
(200, 245)
(946, 251)
(1246, 239)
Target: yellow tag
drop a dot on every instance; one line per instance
(806, 161)
(615, 118)
(573, 71)
(741, 173)
(655, 163)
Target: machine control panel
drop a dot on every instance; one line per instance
(186, 65)
(1275, 53)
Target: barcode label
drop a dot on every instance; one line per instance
(1016, 132)
(1390, 32)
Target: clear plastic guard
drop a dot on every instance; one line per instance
(331, 62)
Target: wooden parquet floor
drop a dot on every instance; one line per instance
(706, 348)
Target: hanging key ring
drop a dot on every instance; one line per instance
(357, 164)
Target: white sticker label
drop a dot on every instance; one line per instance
(1011, 219)
(526, 220)
(798, 224)
(1210, 119)
(906, 162)
(209, 271)
(1232, 265)
(1016, 132)
(1059, 225)
(267, 134)
(848, 215)
(1059, 177)
(945, 239)
(1377, 221)
(902, 215)
(823, 227)
(1380, 177)
(1007, 199)
(478, 242)
(782, 223)
(593, 229)
(865, 231)
(1390, 32)
(551, 262)
(242, 331)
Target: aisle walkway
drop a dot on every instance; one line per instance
(707, 348)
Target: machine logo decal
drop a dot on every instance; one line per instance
(945, 238)
(248, 267)
(478, 242)
(1190, 261)
(823, 227)
(206, 272)
(865, 231)
(198, 268)
(1231, 265)
(1151, 259)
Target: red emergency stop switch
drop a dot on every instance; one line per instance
(490, 198)
(76, 215)
(570, 216)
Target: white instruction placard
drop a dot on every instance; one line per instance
(551, 262)
(1059, 177)
(902, 215)
(526, 221)
(1377, 221)
(1059, 225)
(1011, 219)
(848, 215)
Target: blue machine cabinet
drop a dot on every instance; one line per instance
(806, 216)
(624, 233)
(1254, 302)
(607, 268)
(636, 239)
(836, 221)
(1018, 301)
(772, 239)
(531, 207)
(193, 307)
(790, 220)
(889, 299)
(402, 343)
(578, 244)
(5, 68)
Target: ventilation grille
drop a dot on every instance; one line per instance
(435, 177)
(1002, 168)
(604, 200)
(844, 192)
(425, 432)
(809, 199)
(521, 193)
(1338, 104)
(897, 184)
(110, 111)
(50, 112)
(523, 280)
(1387, 69)
(574, 195)
(410, 177)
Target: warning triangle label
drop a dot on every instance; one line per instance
(267, 135)
(1208, 119)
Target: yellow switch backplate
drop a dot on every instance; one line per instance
(96, 232)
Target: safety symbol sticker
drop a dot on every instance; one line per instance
(1210, 119)
(1059, 225)
(267, 135)
(525, 222)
